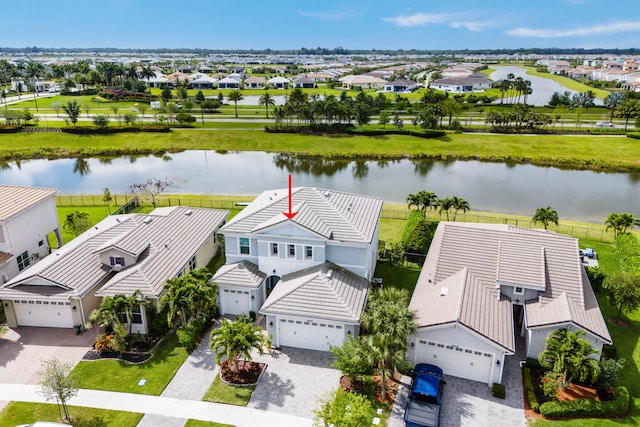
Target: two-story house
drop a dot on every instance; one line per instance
(305, 273)
(119, 255)
(27, 216)
(483, 284)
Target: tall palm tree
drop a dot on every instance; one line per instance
(612, 101)
(620, 222)
(628, 109)
(422, 200)
(234, 339)
(379, 353)
(34, 71)
(444, 205)
(459, 204)
(235, 96)
(545, 216)
(267, 100)
(179, 301)
(568, 354)
(147, 73)
(449, 107)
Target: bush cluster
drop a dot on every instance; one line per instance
(189, 334)
(634, 135)
(337, 128)
(528, 388)
(628, 252)
(498, 390)
(90, 130)
(580, 408)
(10, 129)
(596, 277)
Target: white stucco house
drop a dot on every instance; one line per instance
(483, 285)
(332, 230)
(119, 255)
(27, 216)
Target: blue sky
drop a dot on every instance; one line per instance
(286, 24)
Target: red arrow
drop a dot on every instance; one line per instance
(290, 214)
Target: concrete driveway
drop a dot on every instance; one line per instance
(294, 381)
(23, 348)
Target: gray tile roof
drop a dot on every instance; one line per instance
(243, 273)
(14, 198)
(172, 236)
(331, 214)
(469, 259)
(325, 291)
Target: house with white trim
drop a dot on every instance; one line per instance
(332, 231)
(27, 216)
(485, 288)
(119, 255)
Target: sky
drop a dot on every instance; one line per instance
(288, 24)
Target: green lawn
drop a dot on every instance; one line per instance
(567, 82)
(26, 412)
(197, 423)
(114, 375)
(97, 214)
(222, 393)
(576, 151)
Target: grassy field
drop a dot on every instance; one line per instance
(615, 153)
(27, 412)
(568, 82)
(114, 375)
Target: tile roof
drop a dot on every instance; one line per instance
(325, 291)
(14, 198)
(243, 273)
(172, 236)
(4, 257)
(470, 259)
(331, 214)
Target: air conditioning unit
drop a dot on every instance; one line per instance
(116, 267)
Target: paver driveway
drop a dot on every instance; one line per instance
(294, 380)
(22, 349)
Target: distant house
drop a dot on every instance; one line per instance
(279, 82)
(484, 287)
(255, 82)
(362, 81)
(228, 83)
(381, 74)
(121, 254)
(27, 216)
(204, 82)
(462, 84)
(400, 85)
(304, 82)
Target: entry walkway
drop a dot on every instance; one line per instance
(162, 406)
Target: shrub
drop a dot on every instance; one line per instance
(498, 390)
(88, 130)
(528, 386)
(596, 277)
(101, 121)
(533, 401)
(609, 373)
(188, 336)
(609, 351)
(10, 129)
(103, 343)
(581, 408)
(628, 252)
(634, 135)
(158, 325)
(551, 383)
(533, 363)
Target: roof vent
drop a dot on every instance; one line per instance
(188, 212)
(444, 291)
(329, 274)
(116, 267)
(327, 194)
(147, 220)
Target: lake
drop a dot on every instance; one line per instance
(494, 187)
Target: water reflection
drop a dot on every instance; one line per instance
(81, 166)
(315, 166)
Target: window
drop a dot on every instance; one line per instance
(274, 249)
(292, 250)
(41, 242)
(244, 246)
(23, 260)
(137, 315)
(192, 263)
(308, 251)
(116, 260)
(518, 290)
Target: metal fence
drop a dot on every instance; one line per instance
(578, 231)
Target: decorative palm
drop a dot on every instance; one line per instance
(620, 222)
(568, 354)
(545, 216)
(267, 100)
(459, 204)
(235, 96)
(444, 205)
(234, 339)
(178, 299)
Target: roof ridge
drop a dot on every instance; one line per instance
(463, 288)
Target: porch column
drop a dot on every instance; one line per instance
(58, 237)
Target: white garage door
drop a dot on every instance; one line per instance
(314, 335)
(235, 302)
(457, 361)
(49, 314)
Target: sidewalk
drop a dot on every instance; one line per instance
(163, 406)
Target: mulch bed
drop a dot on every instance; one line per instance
(620, 323)
(575, 391)
(246, 373)
(127, 357)
(391, 390)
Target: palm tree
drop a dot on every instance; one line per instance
(422, 200)
(628, 109)
(612, 101)
(107, 314)
(235, 96)
(147, 73)
(620, 222)
(444, 205)
(459, 204)
(379, 353)
(267, 100)
(34, 71)
(234, 339)
(178, 299)
(450, 107)
(545, 216)
(568, 354)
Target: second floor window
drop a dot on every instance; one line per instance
(274, 249)
(244, 246)
(23, 260)
(192, 263)
(292, 250)
(308, 251)
(113, 260)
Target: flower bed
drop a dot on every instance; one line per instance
(246, 374)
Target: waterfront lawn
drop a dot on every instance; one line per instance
(574, 151)
(568, 82)
(223, 393)
(96, 213)
(115, 375)
(198, 423)
(16, 413)
(404, 277)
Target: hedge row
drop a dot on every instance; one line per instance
(10, 129)
(528, 388)
(415, 216)
(628, 252)
(634, 135)
(90, 130)
(586, 408)
(348, 129)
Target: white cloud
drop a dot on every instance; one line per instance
(617, 27)
(471, 26)
(329, 15)
(419, 19)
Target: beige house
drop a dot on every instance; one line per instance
(121, 254)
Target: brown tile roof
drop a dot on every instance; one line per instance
(325, 291)
(331, 214)
(15, 198)
(4, 257)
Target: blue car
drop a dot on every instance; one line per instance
(425, 397)
(589, 252)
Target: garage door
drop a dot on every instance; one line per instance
(235, 302)
(457, 361)
(43, 313)
(314, 335)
